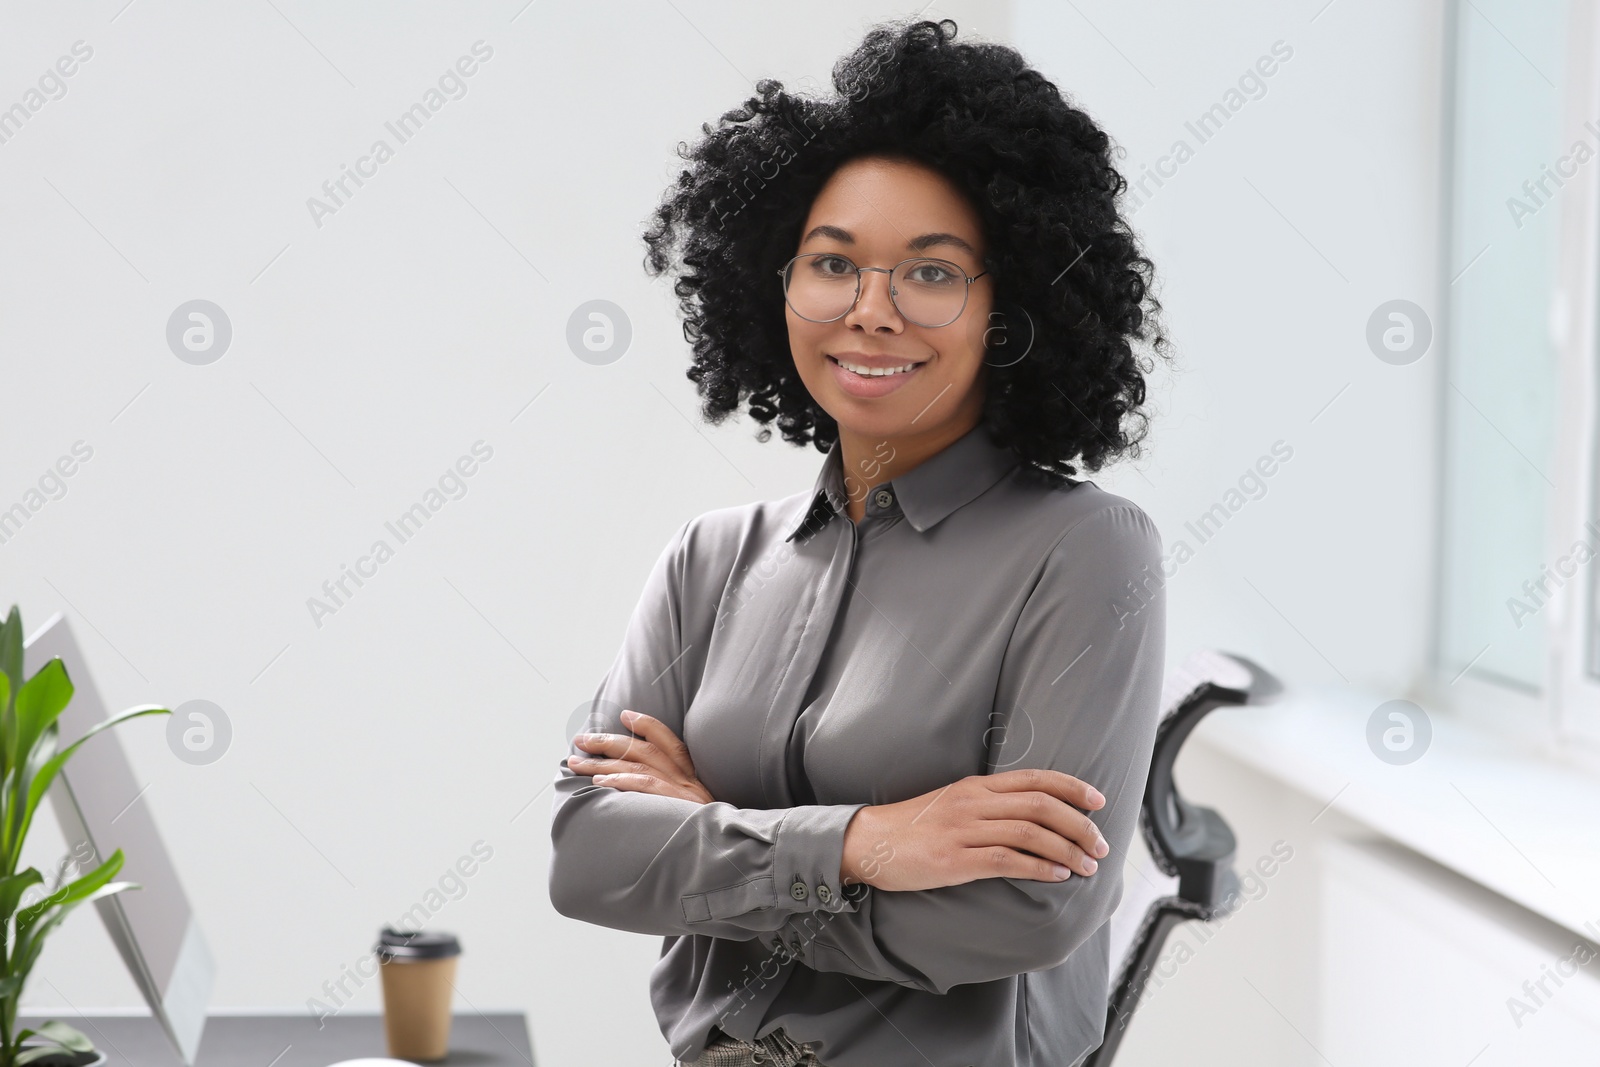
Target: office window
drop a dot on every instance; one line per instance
(1519, 567)
(1501, 365)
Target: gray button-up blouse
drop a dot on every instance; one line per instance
(975, 621)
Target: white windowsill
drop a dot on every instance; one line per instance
(1533, 838)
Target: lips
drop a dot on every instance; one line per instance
(870, 386)
(894, 367)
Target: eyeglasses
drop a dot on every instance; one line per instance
(824, 286)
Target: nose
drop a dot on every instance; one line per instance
(874, 309)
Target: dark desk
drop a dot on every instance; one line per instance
(498, 1039)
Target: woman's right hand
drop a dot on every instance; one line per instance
(1012, 824)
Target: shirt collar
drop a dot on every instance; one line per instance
(927, 493)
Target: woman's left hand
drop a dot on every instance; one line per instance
(659, 763)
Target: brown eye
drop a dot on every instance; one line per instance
(930, 272)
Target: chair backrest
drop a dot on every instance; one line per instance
(1185, 840)
(1185, 869)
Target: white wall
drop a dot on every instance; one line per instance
(430, 712)
(371, 752)
(1274, 242)
(1421, 965)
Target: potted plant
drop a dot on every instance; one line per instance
(29, 762)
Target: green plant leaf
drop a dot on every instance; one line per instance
(28, 945)
(55, 1048)
(40, 702)
(11, 889)
(37, 1052)
(72, 892)
(46, 774)
(65, 1036)
(58, 1037)
(11, 668)
(6, 717)
(11, 813)
(11, 648)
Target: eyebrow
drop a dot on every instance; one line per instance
(916, 244)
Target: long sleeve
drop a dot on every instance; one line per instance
(663, 865)
(1078, 692)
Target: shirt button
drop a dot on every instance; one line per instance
(798, 890)
(824, 894)
(777, 942)
(884, 498)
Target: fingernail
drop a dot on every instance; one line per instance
(1096, 797)
(1062, 872)
(1091, 866)
(629, 716)
(1100, 847)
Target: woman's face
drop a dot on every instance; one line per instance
(878, 212)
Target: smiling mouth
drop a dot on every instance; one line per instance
(868, 372)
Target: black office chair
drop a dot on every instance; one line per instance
(1185, 840)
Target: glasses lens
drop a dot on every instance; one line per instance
(929, 292)
(820, 286)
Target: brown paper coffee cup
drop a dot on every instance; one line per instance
(419, 972)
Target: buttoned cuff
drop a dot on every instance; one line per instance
(808, 850)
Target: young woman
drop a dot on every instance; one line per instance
(870, 755)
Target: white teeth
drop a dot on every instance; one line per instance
(870, 372)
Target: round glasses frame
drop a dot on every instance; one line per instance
(955, 268)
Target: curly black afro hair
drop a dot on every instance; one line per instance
(1040, 175)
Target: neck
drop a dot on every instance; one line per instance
(872, 459)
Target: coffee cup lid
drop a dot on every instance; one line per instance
(421, 945)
